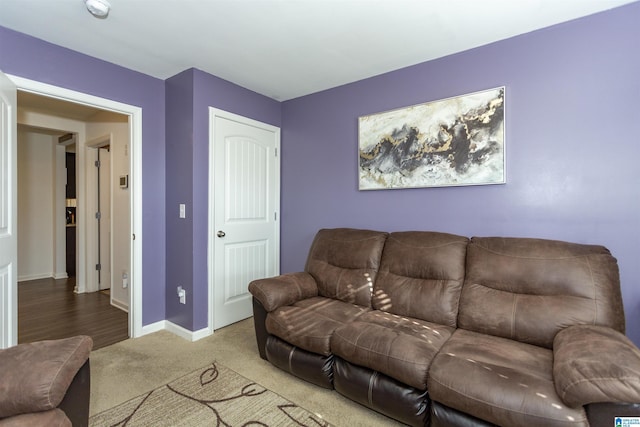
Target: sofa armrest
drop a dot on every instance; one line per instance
(283, 290)
(595, 364)
(35, 377)
(50, 418)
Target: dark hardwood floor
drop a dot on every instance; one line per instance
(49, 309)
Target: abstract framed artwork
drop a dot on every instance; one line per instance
(450, 142)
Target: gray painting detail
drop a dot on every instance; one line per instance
(455, 141)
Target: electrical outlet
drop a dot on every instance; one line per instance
(125, 280)
(182, 295)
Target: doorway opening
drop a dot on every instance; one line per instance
(52, 199)
(87, 281)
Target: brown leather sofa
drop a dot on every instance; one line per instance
(437, 329)
(46, 383)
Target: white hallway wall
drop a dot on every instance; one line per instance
(36, 203)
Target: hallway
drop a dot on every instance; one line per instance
(49, 309)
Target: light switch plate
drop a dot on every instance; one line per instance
(183, 210)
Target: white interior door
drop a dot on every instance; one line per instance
(8, 214)
(245, 189)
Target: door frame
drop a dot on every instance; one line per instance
(213, 113)
(91, 148)
(8, 213)
(135, 184)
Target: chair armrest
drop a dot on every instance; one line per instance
(595, 364)
(283, 290)
(35, 376)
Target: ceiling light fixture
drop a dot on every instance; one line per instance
(98, 8)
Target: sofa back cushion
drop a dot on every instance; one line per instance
(421, 276)
(530, 289)
(344, 262)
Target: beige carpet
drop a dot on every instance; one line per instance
(134, 367)
(212, 395)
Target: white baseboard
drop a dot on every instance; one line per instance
(28, 277)
(55, 276)
(166, 325)
(119, 304)
(153, 327)
(185, 333)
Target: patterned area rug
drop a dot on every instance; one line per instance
(211, 396)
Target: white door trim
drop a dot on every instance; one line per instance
(135, 184)
(8, 214)
(213, 113)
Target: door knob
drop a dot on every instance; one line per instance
(221, 233)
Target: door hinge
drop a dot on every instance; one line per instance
(276, 150)
(275, 216)
(98, 267)
(98, 215)
(97, 163)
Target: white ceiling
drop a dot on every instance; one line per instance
(285, 48)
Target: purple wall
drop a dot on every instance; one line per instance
(179, 165)
(189, 96)
(34, 59)
(572, 129)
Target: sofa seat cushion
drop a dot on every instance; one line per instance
(398, 346)
(309, 323)
(498, 380)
